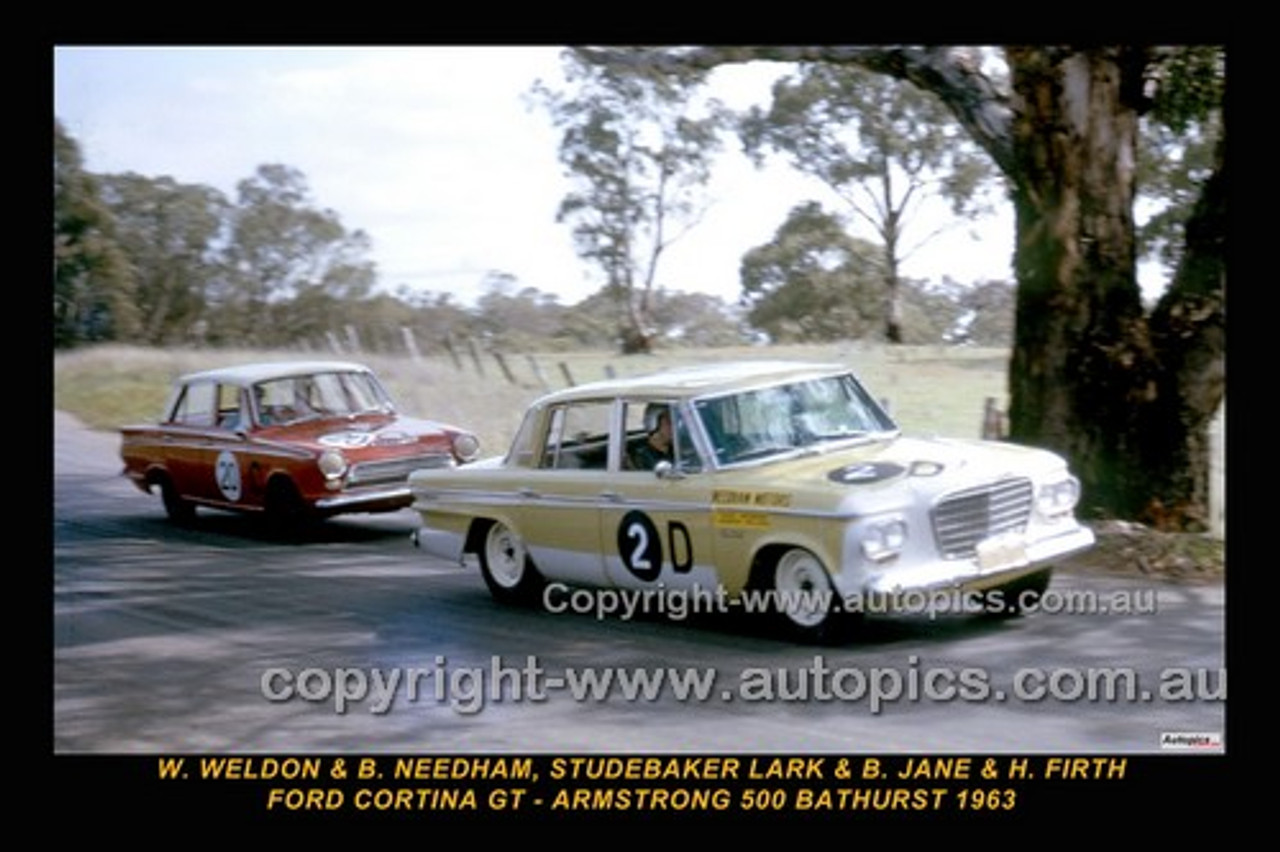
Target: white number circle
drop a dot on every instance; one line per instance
(227, 472)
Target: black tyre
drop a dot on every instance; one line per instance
(179, 510)
(286, 513)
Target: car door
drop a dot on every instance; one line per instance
(655, 524)
(204, 444)
(559, 496)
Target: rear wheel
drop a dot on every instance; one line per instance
(178, 509)
(508, 571)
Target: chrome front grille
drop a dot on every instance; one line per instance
(964, 518)
(394, 470)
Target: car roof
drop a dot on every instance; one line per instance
(247, 374)
(696, 380)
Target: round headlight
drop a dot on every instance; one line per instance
(333, 464)
(466, 446)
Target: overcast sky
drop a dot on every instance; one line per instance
(431, 151)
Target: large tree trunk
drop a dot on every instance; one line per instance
(1087, 379)
(1126, 397)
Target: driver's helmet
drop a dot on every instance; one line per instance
(653, 414)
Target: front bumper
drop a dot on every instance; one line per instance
(1002, 562)
(382, 499)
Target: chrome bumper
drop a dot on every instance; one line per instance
(971, 574)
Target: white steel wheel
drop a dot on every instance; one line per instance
(805, 602)
(505, 564)
(803, 590)
(504, 555)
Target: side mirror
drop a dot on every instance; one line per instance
(666, 470)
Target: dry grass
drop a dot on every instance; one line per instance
(932, 390)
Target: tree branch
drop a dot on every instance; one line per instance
(948, 73)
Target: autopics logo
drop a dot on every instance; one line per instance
(1191, 741)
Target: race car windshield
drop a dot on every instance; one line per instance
(296, 398)
(790, 418)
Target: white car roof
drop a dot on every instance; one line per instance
(247, 374)
(679, 382)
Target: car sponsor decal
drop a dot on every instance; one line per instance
(739, 520)
(393, 439)
(346, 440)
(640, 546)
(762, 499)
(864, 473)
(227, 473)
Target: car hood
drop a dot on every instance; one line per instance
(358, 432)
(893, 472)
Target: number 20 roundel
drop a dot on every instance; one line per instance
(640, 546)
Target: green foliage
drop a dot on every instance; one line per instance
(1181, 129)
(285, 251)
(639, 148)
(814, 282)
(883, 147)
(93, 290)
(168, 231)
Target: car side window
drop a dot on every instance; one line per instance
(578, 437)
(231, 414)
(197, 406)
(657, 431)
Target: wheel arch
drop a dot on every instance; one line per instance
(480, 525)
(768, 553)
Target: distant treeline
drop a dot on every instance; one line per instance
(151, 261)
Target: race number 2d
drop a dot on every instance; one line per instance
(640, 546)
(227, 473)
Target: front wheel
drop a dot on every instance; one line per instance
(803, 601)
(286, 512)
(506, 567)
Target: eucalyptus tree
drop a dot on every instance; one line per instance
(813, 281)
(1126, 393)
(1176, 150)
(289, 264)
(639, 149)
(93, 289)
(887, 149)
(171, 234)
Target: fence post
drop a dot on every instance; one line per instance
(502, 365)
(453, 352)
(992, 421)
(475, 355)
(537, 372)
(410, 343)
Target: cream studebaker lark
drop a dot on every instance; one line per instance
(784, 481)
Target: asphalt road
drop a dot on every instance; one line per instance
(198, 640)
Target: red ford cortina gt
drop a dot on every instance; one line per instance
(294, 440)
